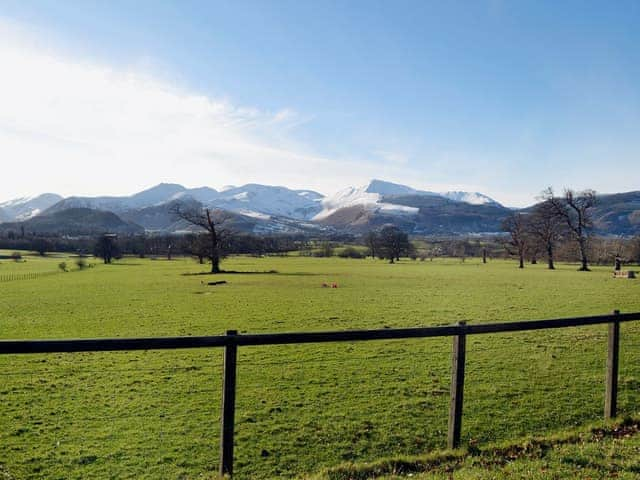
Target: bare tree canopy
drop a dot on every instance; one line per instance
(575, 209)
(546, 228)
(371, 241)
(215, 223)
(515, 226)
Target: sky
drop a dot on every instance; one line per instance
(501, 97)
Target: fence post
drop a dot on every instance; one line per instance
(228, 405)
(457, 388)
(613, 358)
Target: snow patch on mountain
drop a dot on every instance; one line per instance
(24, 208)
(368, 196)
(378, 195)
(252, 214)
(388, 188)
(474, 198)
(270, 200)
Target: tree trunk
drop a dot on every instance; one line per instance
(550, 258)
(521, 265)
(584, 267)
(215, 264)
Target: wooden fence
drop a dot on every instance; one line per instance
(10, 277)
(232, 341)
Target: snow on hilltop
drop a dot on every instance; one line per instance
(26, 207)
(474, 198)
(368, 196)
(254, 200)
(269, 200)
(378, 194)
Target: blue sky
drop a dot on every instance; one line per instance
(501, 97)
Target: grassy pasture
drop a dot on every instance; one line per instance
(300, 408)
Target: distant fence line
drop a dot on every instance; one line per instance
(10, 277)
(232, 341)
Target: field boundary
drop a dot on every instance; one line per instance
(232, 341)
(11, 277)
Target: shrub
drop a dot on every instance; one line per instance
(16, 256)
(63, 266)
(81, 263)
(351, 252)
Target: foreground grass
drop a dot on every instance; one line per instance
(300, 408)
(605, 451)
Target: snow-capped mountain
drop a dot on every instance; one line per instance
(263, 200)
(273, 207)
(24, 208)
(204, 195)
(161, 193)
(379, 195)
(368, 196)
(474, 198)
(250, 200)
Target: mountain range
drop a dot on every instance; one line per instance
(276, 209)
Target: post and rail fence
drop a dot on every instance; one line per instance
(232, 341)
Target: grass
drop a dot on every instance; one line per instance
(603, 451)
(300, 408)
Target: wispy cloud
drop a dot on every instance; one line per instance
(86, 128)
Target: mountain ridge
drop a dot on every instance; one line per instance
(266, 208)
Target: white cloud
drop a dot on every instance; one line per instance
(79, 127)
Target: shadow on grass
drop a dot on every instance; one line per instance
(266, 272)
(231, 272)
(122, 264)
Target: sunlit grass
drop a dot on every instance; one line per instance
(300, 408)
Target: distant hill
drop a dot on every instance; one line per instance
(275, 209)
(425, 215)
(251, 200)
(75, 221)
(618, 214)
(157, 195)
(24, 208)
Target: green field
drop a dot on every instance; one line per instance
(300, 408)
(604, 450)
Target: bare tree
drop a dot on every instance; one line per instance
(371, 241)
(575, 210)
(213, 222)
(545, 226)
(515, 226)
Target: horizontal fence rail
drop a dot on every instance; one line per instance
(232, 340)
(164, 343)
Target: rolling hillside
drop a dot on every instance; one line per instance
(75, 221)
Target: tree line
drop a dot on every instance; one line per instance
(558, 228)
(554, 220)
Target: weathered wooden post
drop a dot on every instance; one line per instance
(613, 357)
(228, 405)
(457, 387)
